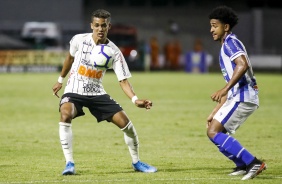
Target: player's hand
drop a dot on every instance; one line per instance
(144, 104)
(218, 95)
(57, 88)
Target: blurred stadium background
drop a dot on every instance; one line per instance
(34, 34)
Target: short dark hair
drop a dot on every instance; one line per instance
(225, 15)
(101, 13)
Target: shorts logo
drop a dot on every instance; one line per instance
(64, 100)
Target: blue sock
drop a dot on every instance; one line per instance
(233, 147)
(238, 162)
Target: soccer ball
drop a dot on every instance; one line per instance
(102, 56)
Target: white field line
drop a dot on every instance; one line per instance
(126, 180)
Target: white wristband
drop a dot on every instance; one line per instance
(133, 99)
(61, 79)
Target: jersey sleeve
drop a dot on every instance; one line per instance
(73, 46)
(233, 49)
(120, 66)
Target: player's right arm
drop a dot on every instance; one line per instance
(65, 70)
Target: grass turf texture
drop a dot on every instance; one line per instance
(172, 134)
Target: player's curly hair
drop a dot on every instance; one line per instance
(101, 13)
(225, 15)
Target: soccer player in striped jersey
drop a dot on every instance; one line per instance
(237, 100)
(84, 89)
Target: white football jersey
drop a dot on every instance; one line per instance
(84, 78)
(246, 89)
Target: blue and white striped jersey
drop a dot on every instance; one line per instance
(246, 89)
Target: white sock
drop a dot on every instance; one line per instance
(131, 139)
(65, 133)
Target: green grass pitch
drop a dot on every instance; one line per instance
(172, 134)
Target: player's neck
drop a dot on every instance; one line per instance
(100, 41)
(224, 37)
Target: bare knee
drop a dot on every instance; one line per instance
(67, 112)
(120, 119)
(214, 128)
(211, 133)
(65, 116)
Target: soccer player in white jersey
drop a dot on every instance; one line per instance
(237, 100)
(84, 89)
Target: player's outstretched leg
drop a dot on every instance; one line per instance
(131, 139)
(69, 170)
(144, 167)
(254, 169)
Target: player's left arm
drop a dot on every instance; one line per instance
(241, 68)
(128, 90)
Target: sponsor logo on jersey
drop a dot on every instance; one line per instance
(87, 72)
(224, 72)
(85, 42)
(91, 88)
(120, 58)
(86, 52)
(86, 62)
(236, 45)
(228, 48)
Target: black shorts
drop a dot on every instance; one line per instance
(102, 107)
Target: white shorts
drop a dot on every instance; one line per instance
(233, 114)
